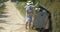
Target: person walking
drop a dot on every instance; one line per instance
(29, 13)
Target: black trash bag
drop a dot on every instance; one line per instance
(40, 17)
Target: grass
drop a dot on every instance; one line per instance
(21, 8)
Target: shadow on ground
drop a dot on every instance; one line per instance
(1, 28)
(3, 16)
(4, 12)
(3, 21)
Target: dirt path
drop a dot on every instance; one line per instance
(11, 20)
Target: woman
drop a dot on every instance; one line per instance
(28, 8)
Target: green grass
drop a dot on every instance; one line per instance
(21, 8)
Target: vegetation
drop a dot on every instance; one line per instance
(21, 8)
